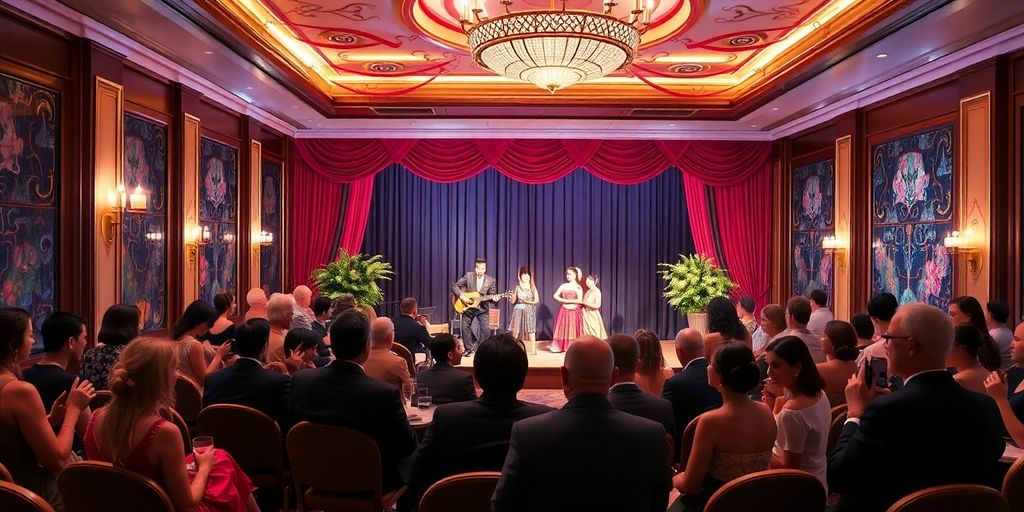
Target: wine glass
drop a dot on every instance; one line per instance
(202, 444)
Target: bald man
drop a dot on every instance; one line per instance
(383, 364)
(302, 316)
(688, 390)
(587, 455)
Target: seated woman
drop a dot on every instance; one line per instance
(130, 433)
(733, 440)
(223, 328)
(300, 349)
(840, 346)
(651, 372)
(967, 343)
(724, 324)
(795, 395)
(28, 447)
(121, 323)
(193, 360)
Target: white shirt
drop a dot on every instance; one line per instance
(810, 339)
(819, 318)
(1003, 336)
(805, 431)
(480, 283)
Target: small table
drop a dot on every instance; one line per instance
(420, 418)
(1010, 454)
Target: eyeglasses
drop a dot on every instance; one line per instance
(886, 338)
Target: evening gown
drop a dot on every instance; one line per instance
(568, 323)
(524, 316)
(593, 323)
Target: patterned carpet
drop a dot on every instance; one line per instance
(549, 397)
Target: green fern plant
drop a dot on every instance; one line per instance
(693, 281)
(357, 274)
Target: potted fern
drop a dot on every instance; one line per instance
(357, 274)
(691, 283)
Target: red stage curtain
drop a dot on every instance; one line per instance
(357, 209)
(744, 224)
(312, 220)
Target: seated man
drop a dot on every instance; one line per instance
(246, 382)
(931, 432)
(688, 391)
(588, 455)
(410, 328)
(342, 394)
(625, 395)
(474, 436)
(383, 364)
(323, 308)
(446, 383)
(64, 340)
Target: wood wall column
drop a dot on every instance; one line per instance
(782, 243)
(107, 159)
(255, 222)
(971, 273)
(841, 299)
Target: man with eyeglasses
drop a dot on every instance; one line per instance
(932, 432)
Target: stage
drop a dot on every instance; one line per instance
(543, 372)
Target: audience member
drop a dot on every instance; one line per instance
(343, 303)
(820, 314)
(474, 435)
(223, 329)
(323, 309)
(625, 395)
(734, 440)
(302, 315)
(745, 308)
(410, 328)
(803, 413)
(280, 309)
(798, 313)
(195, 321)
(383, 364)
(651, 372)
(931, 432)
(342, 394)
(881, 309)
(64, 340)
(840, 346)
(1015, 374)
(965, 310)
(121, 323)
(1009, 408)
(446, 383)
(688, 391)
(772, 324)
(300, 349)
(723, 324)
(587, 446)
(29, 449)
(257, 300)
(130, 434)
(865, 330)
(964, 357)
(246, 382)
(997, 313)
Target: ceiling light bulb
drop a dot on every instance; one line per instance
(882, 55)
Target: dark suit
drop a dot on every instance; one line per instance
(411, 334)
(628, 397)
(467, 436)
(690, 394)
(586, 456)
(342, 394)
(931, 432)
(247, 383)
(474, 321)
(446, 383)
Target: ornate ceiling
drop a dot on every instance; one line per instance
(706, 54)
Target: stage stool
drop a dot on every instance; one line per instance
(15, 498)
(465, 492)
(774, 490)
(952, 498)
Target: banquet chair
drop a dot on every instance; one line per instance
(188, 400)
(339, 468)
(774, 490)
(952, 498)
(399, 350)
(466, 492)
(839, 409)
(5, 475)
(686, 442)
(102, 398)
(1013, 485)
(15, 498)
(671, 442)
(172, 416)
(833, 432)
(258, 447)
(93, 486)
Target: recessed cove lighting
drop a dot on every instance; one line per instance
(881, 55)
(753, 126)
(208, 52)
(672, 124)
(774, 109)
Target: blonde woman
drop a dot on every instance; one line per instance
(130, 433)
(593, 323)
(651, 372)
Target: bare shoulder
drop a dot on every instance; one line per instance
(20, 390)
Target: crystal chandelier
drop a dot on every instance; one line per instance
(553, 49)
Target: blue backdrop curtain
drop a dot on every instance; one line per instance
(431, 233)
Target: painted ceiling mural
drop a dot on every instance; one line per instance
(704, 50)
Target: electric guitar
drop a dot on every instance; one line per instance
(475, 300)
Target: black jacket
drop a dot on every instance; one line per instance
(628, 397)
(690, 394)
(411, 334)
(247, 383)
(446, 383)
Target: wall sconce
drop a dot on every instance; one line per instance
(263, 239)
(956, 243)
(154, 237)
(832, 245)
(228, 238)
(199, 237)
(119, 201)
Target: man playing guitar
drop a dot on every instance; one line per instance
(474, 319)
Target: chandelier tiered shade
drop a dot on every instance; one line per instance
(553, 49)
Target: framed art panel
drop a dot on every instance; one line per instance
(270, 220)
(813, 211)
(218, 213)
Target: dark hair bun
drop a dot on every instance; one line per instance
(735, 363)
(743, 378)
(846, 353)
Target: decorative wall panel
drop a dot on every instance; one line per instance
(143, 233)
(813, 208)
(218, 212)
(270, 220)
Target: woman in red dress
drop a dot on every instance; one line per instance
(569, 322)
(130, 433)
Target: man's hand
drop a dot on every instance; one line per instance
(463, 297)
(858, 394)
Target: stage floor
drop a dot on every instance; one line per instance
(544, 365)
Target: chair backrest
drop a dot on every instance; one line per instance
(171, 415)
(188, 400)
(15, 498)
(334, 459)
(5, 475)
(250, 436)
(466, 492)
(839, 409)
(1013, 485)
(833, 432)
(953, 498)
(400, 350)
(686, 442)
(671, 448)
(101, 398)
(774, 490)
(100, 487)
